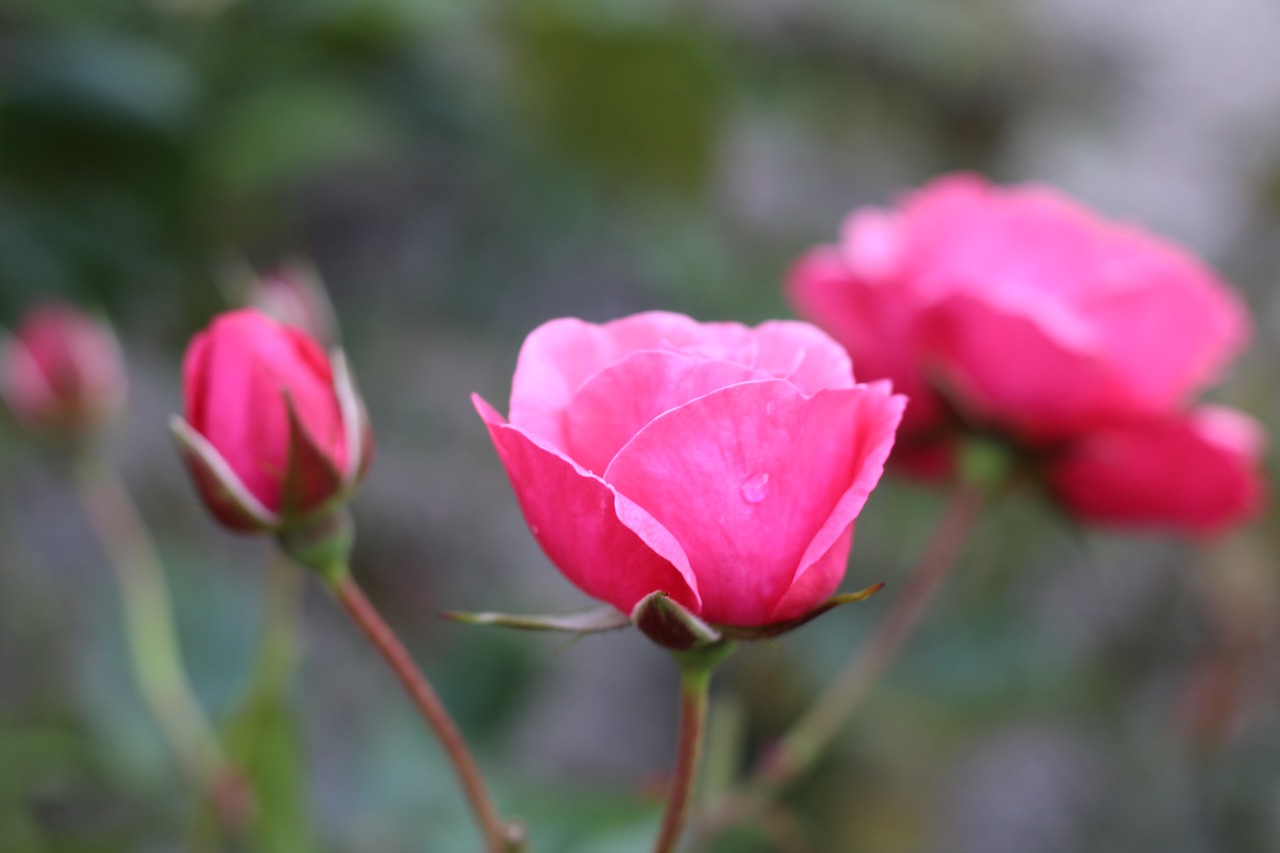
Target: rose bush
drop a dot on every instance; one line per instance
(721, 464)
(1016, 311)
(62, 370)
(274, 432)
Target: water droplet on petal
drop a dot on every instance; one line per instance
(755, 488)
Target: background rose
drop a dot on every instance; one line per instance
(721, 464)
(62, 369)
(1017, 310)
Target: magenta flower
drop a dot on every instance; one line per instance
(1016, 311)
(62, 370)
(720, 464)
(275, 432)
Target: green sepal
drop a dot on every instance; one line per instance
(322, 544)
(227, 496)
(671, 625)
(309, 471)
(605, 618)
(985, 462)
(773, 629)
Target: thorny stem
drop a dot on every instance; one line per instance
(500, 837)
(153, 646)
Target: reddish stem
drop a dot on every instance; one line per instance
(694, 684)
(498, 837)
(806, 740)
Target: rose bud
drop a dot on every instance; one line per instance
(62, 371)
(1015, 312)
(295, 296)
(275, 433)
(715, 466)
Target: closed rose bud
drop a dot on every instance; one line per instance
(62, 371)
(720, 465)
(275, 434)
(295, 296)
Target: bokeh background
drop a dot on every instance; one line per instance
(462, 171)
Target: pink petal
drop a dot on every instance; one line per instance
(560, 355)
(874, 322)
(574, 515)
(1198, 473)
(613, 405)
(873, 243)
(748, 479)
(804, 355)
(877, 413)
(818, 582)
(1028, 374)
(1166, 324)
(966, 235)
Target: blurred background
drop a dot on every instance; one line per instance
(462, 171)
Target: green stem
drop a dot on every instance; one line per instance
(500, 836)
(797, 751)
(153, 645)
(695, 686)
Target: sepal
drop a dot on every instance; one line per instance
(764, 632)
(671, 625)
(322, 544)
(587, 622)
(311, 479)
(226, 496)
(355, 421)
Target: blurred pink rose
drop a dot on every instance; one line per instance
(721, 464)
(1018, 312)
(273, 432)
(62, 370)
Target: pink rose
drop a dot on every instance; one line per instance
(1019, 312)
(274, 431)
(720, 464)
(62, 370)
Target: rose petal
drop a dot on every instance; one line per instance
(819, 580)
(877, 413)
(964, 235)
(614, 404)
(560, 355)
(746, 478)
(574, 515)
(1019, 370)
(875, 323)
(872, 243)
(1166, 325)
(803, 354)
(1198, 472)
